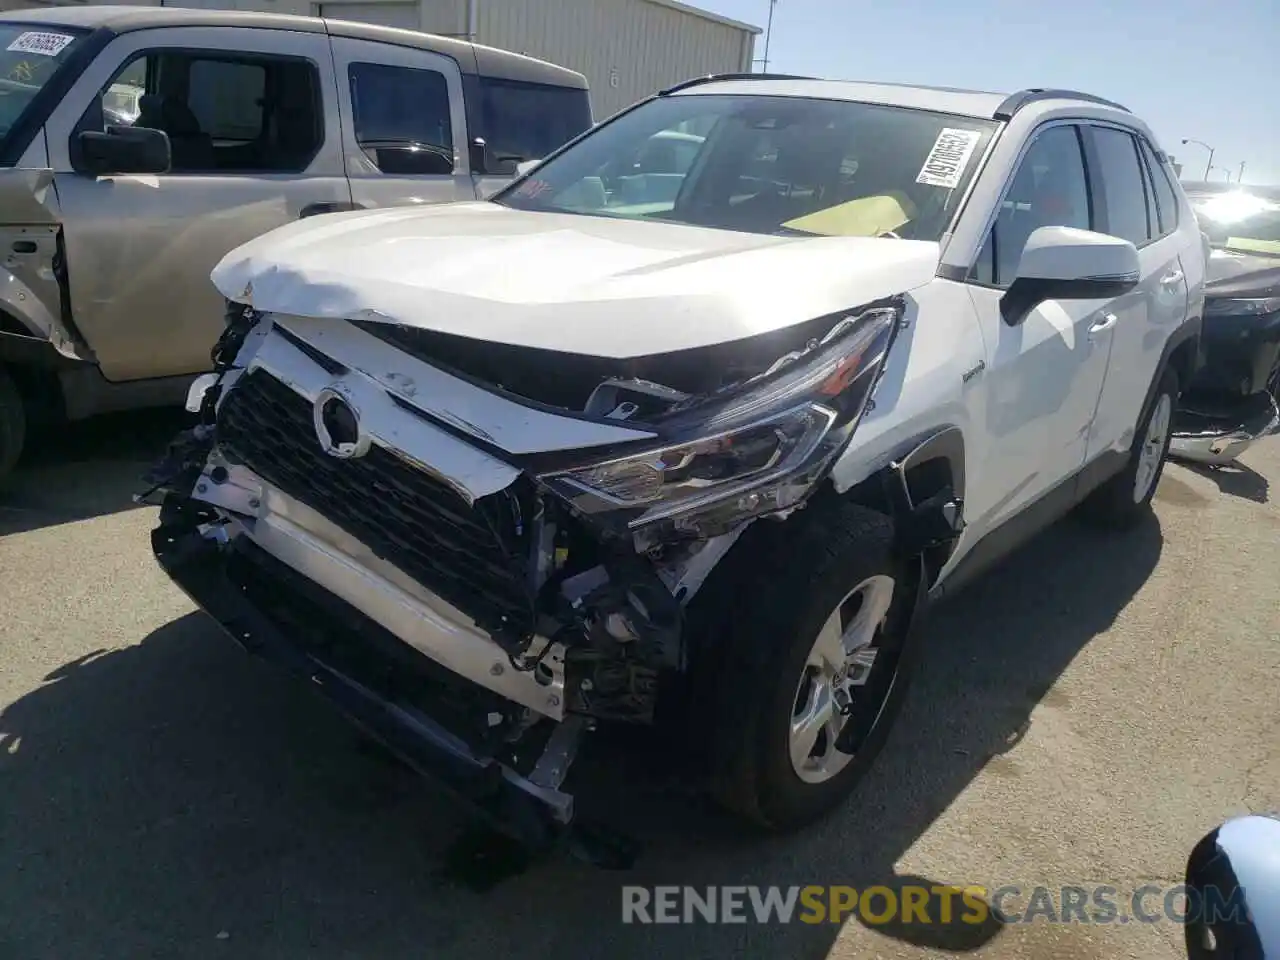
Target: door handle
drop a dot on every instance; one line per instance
(1173, 277)
(1106, 323)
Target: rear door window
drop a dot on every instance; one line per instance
(1166, 199)
(1125, 210)
(402, 108)
(526, 121)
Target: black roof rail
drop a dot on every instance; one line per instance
(716, 77)
(1016, 101)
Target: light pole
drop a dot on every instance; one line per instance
(768, 32)
(1208, 166)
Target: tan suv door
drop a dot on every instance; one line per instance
(252, 120)
(406, 136)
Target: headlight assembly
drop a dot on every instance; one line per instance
(1241, 308)
(757, 449)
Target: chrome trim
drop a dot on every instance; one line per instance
(331, 558)
(1221, 448)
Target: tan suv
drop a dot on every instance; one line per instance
(138, 146)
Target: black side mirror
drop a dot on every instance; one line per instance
(479, 157)
(497, 164)
(121, 149)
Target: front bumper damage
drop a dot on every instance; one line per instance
(1217, 437)
(430, 553)
(300, 629)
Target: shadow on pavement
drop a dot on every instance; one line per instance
(1235, 480)
(161, 796)
(86, 469)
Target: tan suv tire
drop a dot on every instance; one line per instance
(13, 424)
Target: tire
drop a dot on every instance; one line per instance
(13, 424)
(1125, 499)
(756, 685)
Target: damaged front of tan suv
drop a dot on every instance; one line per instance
(479, 550)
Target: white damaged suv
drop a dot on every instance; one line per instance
(686, 426)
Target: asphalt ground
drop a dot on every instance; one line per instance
(1084, 714)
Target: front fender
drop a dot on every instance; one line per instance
(32, 273)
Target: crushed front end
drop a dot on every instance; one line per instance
(1234, 398)
(479, 553)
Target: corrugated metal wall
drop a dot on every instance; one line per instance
(627, 49)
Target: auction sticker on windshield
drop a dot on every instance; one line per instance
(949, 156)
(45, 44)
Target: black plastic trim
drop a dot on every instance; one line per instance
(1015, 532)
(717, 77)
(1015, 102)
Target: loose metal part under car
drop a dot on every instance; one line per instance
(380, 683)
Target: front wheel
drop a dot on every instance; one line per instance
(817, 654)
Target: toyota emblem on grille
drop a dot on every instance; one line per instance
(337, 425)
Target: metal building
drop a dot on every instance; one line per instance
(627, 49)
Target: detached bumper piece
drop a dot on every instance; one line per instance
(1218, 436)
(363, 670)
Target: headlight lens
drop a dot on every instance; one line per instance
(758, 451)
(1242, 308)
(715, 464)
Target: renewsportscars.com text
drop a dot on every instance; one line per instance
(921, 904)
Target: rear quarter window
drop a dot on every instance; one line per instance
(525, 121)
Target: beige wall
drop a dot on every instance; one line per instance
(627, 49)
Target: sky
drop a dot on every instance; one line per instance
(1207, 70)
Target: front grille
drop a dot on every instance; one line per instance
(471, 556)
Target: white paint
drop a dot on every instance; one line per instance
(590, 285)
(491, 418)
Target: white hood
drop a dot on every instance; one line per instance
(579, 284)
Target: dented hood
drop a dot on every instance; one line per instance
(578, 284)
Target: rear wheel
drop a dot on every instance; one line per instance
(814, 666)
(1126, 497)
(13, 424)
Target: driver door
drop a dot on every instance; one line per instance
(1038, 391)
(247, 114)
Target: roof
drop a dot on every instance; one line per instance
(980, 104)
(121, 19)
(968, 103)
(708, 15)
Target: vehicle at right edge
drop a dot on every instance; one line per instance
(1234, 398)
(704, 448)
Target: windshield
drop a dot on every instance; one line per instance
(1240, 221)
(29, 55)
(773, 165)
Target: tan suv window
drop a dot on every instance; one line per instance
(223, 112)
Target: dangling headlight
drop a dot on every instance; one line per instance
(757, 450)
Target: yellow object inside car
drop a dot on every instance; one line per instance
(864, 217)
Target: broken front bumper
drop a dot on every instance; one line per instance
(1219, 440)
(286, 618)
